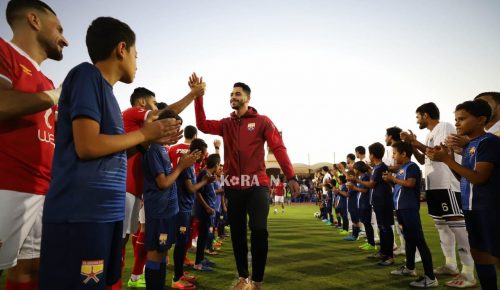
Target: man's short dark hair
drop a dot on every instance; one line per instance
(325, 168)
(140, 93)
(394, 132)
(190, 131)
(213, 160)
(494, 95)
(198, 144)
(104, 34)
(403, 147)
(244, 87)
(377, 150)
(168, 114)
(360, 149)
(477, 108)
(431, 109)
(15, 7)
(351, 156)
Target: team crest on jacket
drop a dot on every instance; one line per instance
(183, 230)
(472, 151)
(401, 172)
(251, 126)
(163, 239)
(92, 271)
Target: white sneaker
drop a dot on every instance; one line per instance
(399, 252)
(424, 282)
(403, 271)
(275, 210)
(461, 281)
(446, 270)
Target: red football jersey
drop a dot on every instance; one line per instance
(27, 141)
(279, 189)
(133, 119)
(176, 151)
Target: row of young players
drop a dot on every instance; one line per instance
(363, 190)
(187, 190)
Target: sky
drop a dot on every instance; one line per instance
(331, 74)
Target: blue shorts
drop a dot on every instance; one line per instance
(365, 215)
(483, 235)
(160, 233)
(354, 215)
(80, 255)
(183, 227)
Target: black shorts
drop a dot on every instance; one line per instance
(443, 203)
(80, 255)
(483, 231)
(385, 216)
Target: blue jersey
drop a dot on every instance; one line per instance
(343, 199)
(86, 190)
(485, 148)
(353, 199)
(364, 197)
(207, 192)
(407, 197)
(158, 203)
(185, 197)
(382, 192)
(218, 197)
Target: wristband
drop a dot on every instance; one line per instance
(54, 94)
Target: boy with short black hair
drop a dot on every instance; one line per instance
(86, 198)
(186, 189)
(205, 210)
(480, 182)
(161, 208)
(407, 204)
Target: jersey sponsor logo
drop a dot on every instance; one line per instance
(472, 151)
(163, 239)
(401, 172)
(92, 271)
(251, 127)
(26, 70)
(46, 136)
(182, 230)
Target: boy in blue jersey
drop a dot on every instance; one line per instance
(342, 205)
(407, 205)
(161, 207)
(480, 186)
(205, 210)
(352, 203)
(186, 189)
(86, 200)
(329, 203)
(364, 208)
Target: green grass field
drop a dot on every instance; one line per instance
(305, 254)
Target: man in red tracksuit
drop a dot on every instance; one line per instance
(246, 184)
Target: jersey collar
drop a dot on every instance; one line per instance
(23, 53)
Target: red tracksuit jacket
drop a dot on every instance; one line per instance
(244, 140)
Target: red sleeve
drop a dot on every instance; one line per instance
(206, 126)
(134, 118)
(6, 71)
(275, 143)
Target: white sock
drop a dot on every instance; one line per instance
(135, 277)
(461, 236)
(447, 239)
(375, 226)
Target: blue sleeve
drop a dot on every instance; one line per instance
(84, 93)
(155, 161)
(488, 151)
(200, 176)
(413, 172)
